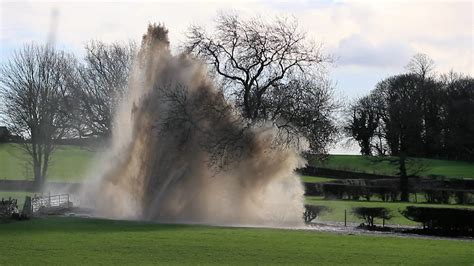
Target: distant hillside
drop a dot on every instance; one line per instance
(71, 163)
(374, 165)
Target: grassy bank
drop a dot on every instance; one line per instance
(77, 241)
(375, 165)
(68, 163)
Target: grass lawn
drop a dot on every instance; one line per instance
(315, 179)
(68, 163)
(368, 164)
(66, 241)
(338, 206)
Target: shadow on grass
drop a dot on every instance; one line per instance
(76, 224)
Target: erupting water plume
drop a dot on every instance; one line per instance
(181, 153)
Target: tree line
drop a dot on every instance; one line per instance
(415, 114)
(418, 114)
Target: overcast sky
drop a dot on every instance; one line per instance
(369, 39)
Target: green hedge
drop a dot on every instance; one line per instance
(442, 219)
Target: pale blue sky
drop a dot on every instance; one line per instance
(369, 39)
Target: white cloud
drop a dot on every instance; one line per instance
(443, 30)
(356, 51)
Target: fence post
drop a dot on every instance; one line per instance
(345, 218)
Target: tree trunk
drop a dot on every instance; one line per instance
(366, 147)
(39, 178)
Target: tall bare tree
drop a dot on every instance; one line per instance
(260, 63)
(100, 83)
(33, 89)
(303, 107)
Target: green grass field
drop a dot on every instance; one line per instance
(67, 241)
(315, 179)
(68, 163)
(92, 241)
(368, 164)
(337, 208)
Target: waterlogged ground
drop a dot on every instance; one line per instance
(337, 208)
(91, 241)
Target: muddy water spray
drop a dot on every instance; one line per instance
(170, 130)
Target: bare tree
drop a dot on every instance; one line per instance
(257, 60)
(33, 88)
(100, 84)
(303, 107)
(421, 65)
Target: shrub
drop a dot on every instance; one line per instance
(444, 219)
(437, 196)
(313, 189)
(386, 194)
(369, 214)
(8, 207)
(333, 191)
(357, 192)
(461, 197)
(313, 211)
(349, 191)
